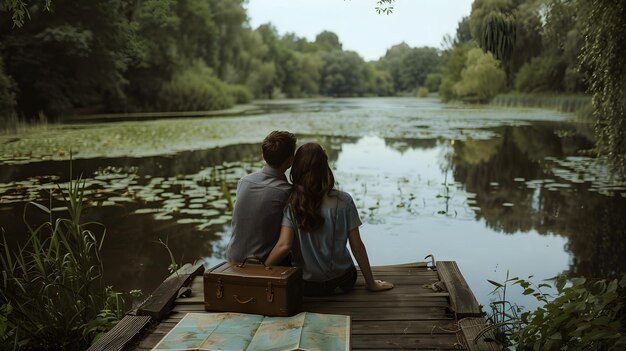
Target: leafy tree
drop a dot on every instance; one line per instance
(327, 41)
(433, 81)
(393, 61)
(379, 82)
(343, 74)
(602, 58)
(19, 10)
(69, 58)
(416, 65)
(455, 64)
(542, 74)
(229, 17)
(194, 89)
(481, 79)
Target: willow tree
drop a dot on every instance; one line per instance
(603, 24)
(602, 59)
(19, 9)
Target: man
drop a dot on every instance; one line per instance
(261, 198)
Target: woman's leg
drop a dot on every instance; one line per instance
(341, 284)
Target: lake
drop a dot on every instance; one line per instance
(492, 188)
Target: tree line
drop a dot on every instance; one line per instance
(176, 55)
(62, 57)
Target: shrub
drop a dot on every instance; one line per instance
(481, 79)
(543, 73)
(422, 92)
(52, 293)
(195, 89)
(433, 82)
(240, 93)
(585, 315)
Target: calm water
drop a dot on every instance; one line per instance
(494, 189)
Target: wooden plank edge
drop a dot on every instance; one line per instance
(477, 336)
(451, 275)
(122, 333)
(161, 301)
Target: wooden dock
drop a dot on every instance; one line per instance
(430, 308)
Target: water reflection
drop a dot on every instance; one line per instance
(455, 198)
(519, 189)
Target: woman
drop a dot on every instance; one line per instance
(318, 222)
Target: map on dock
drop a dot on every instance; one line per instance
(250, 332)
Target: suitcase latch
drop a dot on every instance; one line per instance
(219, 292)
(270, 292)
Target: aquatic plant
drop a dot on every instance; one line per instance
(584, 314)
(52, 292)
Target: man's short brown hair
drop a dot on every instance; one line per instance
(278, 147)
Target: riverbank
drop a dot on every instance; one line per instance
(560, 102)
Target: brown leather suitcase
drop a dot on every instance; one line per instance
(253, 288)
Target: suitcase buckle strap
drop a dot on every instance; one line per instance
(270, 292)
(219, 292)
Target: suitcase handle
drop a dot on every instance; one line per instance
(243, 302)
(255, 258)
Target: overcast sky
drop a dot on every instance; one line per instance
(359, 27)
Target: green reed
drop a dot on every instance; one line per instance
(561, 103)
(53, 295)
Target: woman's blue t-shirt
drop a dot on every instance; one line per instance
(323, 253)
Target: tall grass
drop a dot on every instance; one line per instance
(562, 103)
(53, 294)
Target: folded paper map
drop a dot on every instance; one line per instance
(250, 332)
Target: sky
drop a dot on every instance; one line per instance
(359, 27)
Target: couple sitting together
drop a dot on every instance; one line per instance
(307, 223)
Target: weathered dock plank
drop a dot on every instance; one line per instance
(412, 316)
(123, 333)
(476, 335)
(160, 302)
(462, 299)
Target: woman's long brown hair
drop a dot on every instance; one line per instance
(312, 179)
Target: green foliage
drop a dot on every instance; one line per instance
(481, 79)
(7, 99)
(602, 59)
(410, 66)
(455, 64)
(433, 81)
(583, 315)
(561, 102)
(69, 57)
(194, 89)
(422, 92)
(343, 74)
(327, 41)
(173, 266)
(586, 314)
(542, 74)
(240, 93)
(53, 295)
(498, 34)
(19, 10)
(384, 6)
(379, 82)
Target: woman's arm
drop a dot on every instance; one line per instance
(360, 253)
(282, 247)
